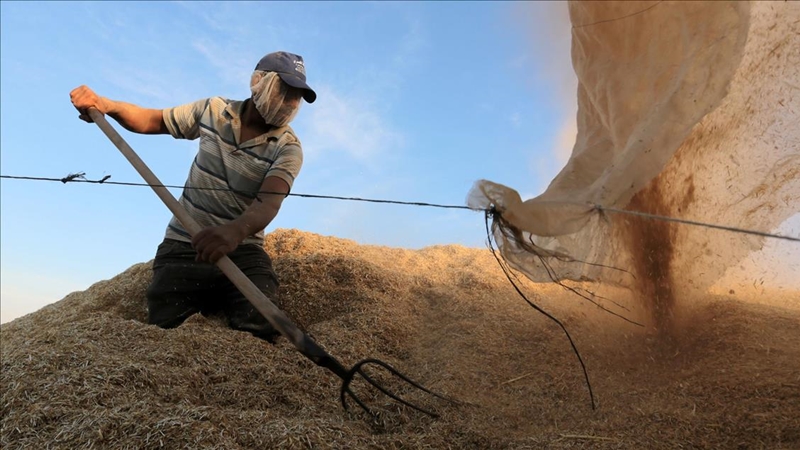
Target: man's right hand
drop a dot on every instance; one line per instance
(84, 98)
(131, 117)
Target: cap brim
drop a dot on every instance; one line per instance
(308, 94)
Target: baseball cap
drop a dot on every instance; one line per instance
(291, 69)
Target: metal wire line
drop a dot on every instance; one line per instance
(80, 178)
(692, 222)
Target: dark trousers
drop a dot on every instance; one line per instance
(182, 287)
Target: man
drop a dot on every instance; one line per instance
(246, 147)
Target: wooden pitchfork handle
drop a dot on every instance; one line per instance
(275, 316)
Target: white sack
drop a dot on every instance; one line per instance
(680, 113)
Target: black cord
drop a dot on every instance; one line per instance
(506, 271)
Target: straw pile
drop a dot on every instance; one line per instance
(87, 372)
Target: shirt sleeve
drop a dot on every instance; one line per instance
(183, 122)
(288, 163)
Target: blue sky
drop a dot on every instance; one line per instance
(416, 102)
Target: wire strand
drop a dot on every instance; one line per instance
(692, 222)
(80, 178)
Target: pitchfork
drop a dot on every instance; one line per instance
(301, 341)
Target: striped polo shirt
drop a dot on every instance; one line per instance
(234, 169)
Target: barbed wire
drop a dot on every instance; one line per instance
(80, 177)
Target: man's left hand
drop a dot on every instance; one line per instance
(213, 243)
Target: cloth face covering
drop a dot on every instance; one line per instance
(274, 99)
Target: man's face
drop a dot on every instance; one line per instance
(276, 101)
(292, 98)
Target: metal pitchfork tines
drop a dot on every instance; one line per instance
(301, 341)
(357, 370)
(320, 357)
(348, 376)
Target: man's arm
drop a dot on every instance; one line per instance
(214, 242)
(131, 117)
